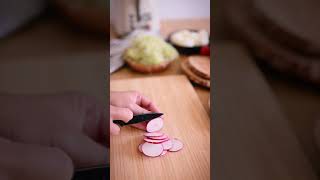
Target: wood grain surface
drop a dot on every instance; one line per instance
(185, 119)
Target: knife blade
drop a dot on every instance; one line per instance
(138, 118)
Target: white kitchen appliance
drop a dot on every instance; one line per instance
(130, 15)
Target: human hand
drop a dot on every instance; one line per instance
(134, 101)
(73, 122)
(118, 113)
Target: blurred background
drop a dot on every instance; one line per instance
(52, 27)
(45, 45)
(275, 56)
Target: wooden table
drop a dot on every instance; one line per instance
(168, 26)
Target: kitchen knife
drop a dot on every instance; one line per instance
(138, 118)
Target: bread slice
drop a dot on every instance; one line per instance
(148, 68)
(200, 65)
(193, 77)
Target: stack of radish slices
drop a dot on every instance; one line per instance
(158, 144)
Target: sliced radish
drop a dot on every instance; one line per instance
(140, 146)
(155, 125)
(163, 153)
(152, 150)
(156, 141)
(176, 145)
(159, 137)
(153, 134)
(167, 145)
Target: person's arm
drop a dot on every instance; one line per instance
(28, 161)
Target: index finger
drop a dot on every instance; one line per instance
(147, 104)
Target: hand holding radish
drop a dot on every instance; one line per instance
(123, 105)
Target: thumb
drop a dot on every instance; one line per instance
(84, 151)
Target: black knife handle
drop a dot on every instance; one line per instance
(119, 122)
(138, 118)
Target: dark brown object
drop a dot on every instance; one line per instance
(294, 23)
(89, 18)
(251, 137)
(279, 57)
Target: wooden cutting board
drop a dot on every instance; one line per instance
(185, 119)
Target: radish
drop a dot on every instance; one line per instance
(159, 137)
(176, 145)
(153, 134)
(156, 141)
(155, 125)
(163, 153)
(167, 145)
(152, 150)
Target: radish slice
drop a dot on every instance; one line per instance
(167, 145)
(163, 153)
(140, 146)
(156, 141)
(159, 137)
(177, 145)
(154, 134)
(155, 125)
(152, 150)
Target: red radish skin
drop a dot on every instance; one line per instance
(159, 137)
(167, 145)
(154, 134)
(156, 141)
(176, 146)
(155, 125)
(140, 146)
(163, 153)
(152, 150)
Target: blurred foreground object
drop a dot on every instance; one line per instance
(90, 15)
(267, 46)
(16, 13)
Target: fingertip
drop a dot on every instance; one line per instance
(114, 129)
(128, 115)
